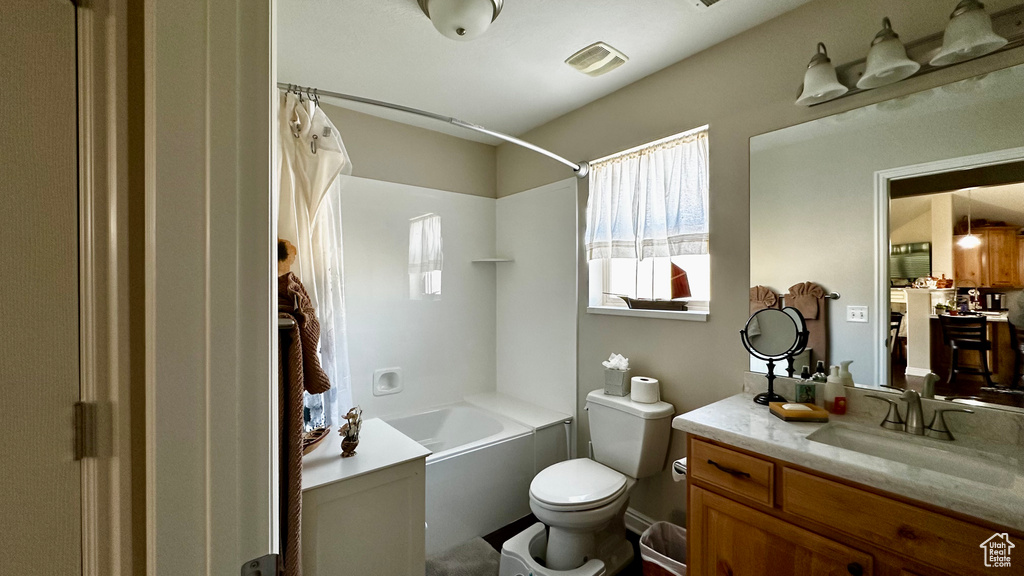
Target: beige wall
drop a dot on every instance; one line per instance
(393, 152)
(742, 87)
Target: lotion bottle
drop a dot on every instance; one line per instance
(835, 395)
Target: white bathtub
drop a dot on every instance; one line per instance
(478, 477)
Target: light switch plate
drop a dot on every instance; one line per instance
(856, 313)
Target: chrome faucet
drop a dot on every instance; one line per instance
(915, 416)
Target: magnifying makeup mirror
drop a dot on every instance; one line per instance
(772, 335)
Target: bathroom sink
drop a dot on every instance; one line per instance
(922, 452)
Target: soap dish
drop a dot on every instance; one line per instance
(815, 414)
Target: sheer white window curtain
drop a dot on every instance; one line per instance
(425, 257)
(651, 202)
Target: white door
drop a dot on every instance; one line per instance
(40, 481)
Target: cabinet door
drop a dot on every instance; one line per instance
(1001, 246)
(1020, 261)
(970, 265)
(729, 539)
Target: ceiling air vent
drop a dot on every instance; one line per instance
(702, 4)
(597, 59)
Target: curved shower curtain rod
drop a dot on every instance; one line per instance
(581, 169)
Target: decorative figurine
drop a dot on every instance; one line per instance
(350, 432)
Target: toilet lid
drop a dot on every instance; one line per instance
(577, 484)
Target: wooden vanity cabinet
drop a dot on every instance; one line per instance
(816, 525)
(996, 263)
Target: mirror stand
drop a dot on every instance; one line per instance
(770, 396)
(780, 335)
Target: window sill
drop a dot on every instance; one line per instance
(689, 315)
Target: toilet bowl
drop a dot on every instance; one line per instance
(583, 502)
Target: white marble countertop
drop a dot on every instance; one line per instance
(380, 446)
(739, 422)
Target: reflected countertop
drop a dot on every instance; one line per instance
(739, 422)
(991, 317)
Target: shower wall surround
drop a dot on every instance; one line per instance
(537, 296)
(444, 345)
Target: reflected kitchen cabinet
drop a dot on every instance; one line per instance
(1020, 260)
(995, 263)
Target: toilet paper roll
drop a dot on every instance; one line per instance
(645, 390)
(679, 470)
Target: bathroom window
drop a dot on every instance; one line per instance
(647, 226)
(425, 257)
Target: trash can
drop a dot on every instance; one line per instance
(663, 550)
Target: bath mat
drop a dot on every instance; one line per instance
(472, 558)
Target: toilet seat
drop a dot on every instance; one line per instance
(576, 485)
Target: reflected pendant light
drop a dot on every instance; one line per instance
(970, 240)
(968, 35)
(887, 60)
(461, 19)
(820, 81)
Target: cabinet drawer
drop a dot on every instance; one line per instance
(740, 474)
(923, 535)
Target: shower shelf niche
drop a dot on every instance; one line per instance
(495, 259)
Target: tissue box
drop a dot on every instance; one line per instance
(616, 382)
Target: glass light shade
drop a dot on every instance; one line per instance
(969, 241)
(461, 19)
(887, 60)
(968, 35)
(820, 81)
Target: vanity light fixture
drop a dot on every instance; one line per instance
(820, 81)
(971, 33)
(970, 240)
(461, 19)
(968, 35)
(887, 60)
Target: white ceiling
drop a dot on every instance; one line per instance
(994, 203)
(511, 79)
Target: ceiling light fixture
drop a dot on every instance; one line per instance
(461, 19)
(968, 35)
(820, 81)
(887, 60)
(969, 241)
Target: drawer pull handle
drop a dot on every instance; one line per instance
(855, 569)
(736, 473)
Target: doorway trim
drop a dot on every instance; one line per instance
(882, 180)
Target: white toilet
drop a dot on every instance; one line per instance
(583, 501)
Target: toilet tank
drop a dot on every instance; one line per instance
(629, 436)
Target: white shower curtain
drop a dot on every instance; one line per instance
(313, 166)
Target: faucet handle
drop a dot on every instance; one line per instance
(955, 398)
(938, 428)
(893, 420)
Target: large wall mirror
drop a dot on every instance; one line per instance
(912, 208)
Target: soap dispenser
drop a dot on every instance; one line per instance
(835, 394)
(844, 372)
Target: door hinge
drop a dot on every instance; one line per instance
(269, 565)
(85, 430)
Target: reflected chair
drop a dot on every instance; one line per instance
(966, 333)
(1017, 345)
(895, 322)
